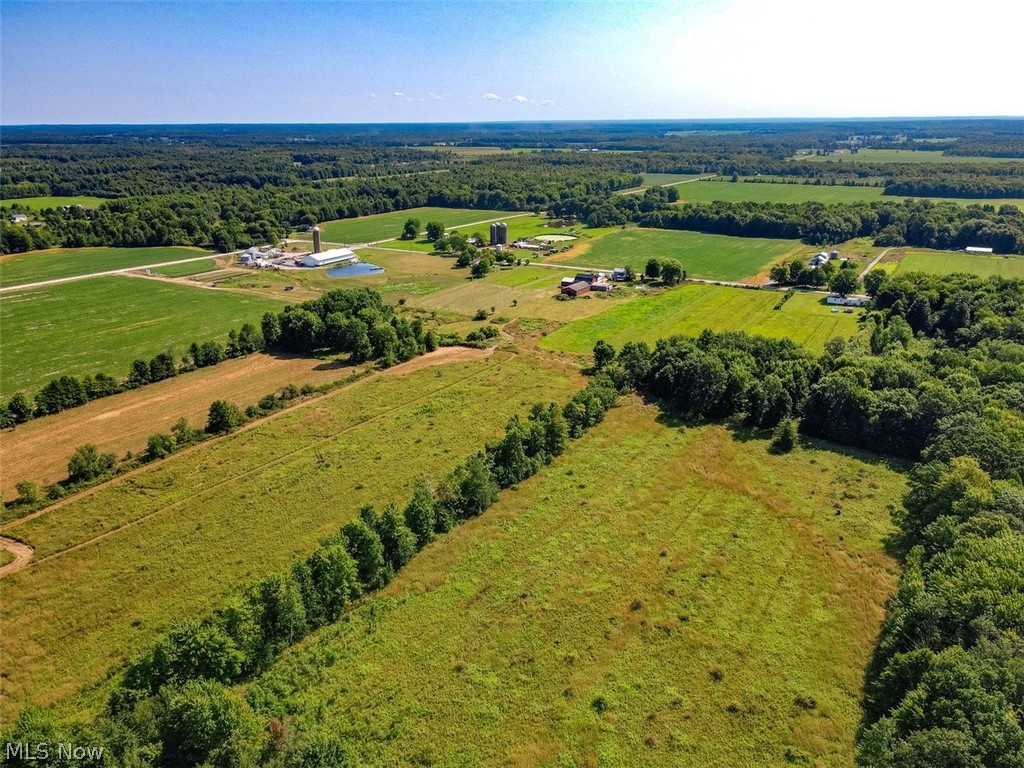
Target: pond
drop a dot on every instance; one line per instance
(359, 269)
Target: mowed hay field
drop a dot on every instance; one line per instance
(656, 597)
(762, 192)
(39, 449)
(115, 567)
(691, 308)
(712, 257)
(36, 266)
(39, 203)
(388, 226)
(103, 323)
(948, 262)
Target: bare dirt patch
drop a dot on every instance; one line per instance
(22, 555)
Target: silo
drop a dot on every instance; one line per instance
(316, 239)
(502, 232)
(494, 234)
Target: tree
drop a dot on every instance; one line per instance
(158, 446)
(365, 547)
(475, 486)
(223, 417)
(271, 327)
(435, 230)
(779, 274)
(28, 492)
(139, 374)
(20, 408)
(398, 541)
(87, 463)
(280, 611)
(410, 229)
(844, 282)
(604, 354)
(62, 393)
(671, 271)
(420, 514)
(336, 577)
(204, 723)
(653, 269)
(784, 436)
(162, 367)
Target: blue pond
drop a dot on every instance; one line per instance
(354, 270)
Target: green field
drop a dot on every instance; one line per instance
(179, 538)
(102, 324)
(901, 156)
(39, 203)
(386, 226)
(712, 257)
(656, 597)
(690, 309)
(518, 228)
(184, 270)
(36, 266)
(948, 262)
(761, 192)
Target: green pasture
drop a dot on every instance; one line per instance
(948, 262)
(658, 596)
(180, 538)
(40, 203)
(184, 270)
(712, 257)
(764, 192)
(388, 226)
(36, 266)
(102, 324)
(518, 228)
(691, 308)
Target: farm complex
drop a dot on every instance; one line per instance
(565, 444)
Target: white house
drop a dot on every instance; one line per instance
(977, 249)
(848, 301)
(333, 256)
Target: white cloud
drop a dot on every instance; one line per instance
(492, 97)
(547, 103)
(520, 99)
(398, 94)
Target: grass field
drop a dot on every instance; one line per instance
(180, 537)
(184, 270)
(39, 449)
(900, 156)
(386, 226)
(36, 266)
(691, 308)
(518, 227)
(713, 257)
(656, 597)
(760, 192)
(39, 203)
(102, 324)
(948, 262)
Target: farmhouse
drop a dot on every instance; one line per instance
(848, 301)
(821, 258)
(332, 256)
(977, 249)
(576, 289)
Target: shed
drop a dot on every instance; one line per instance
(576, 289)
(977, 249)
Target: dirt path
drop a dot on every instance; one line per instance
(443, 356)
(871, 266)
(22, 555)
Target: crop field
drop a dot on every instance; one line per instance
(36, 266)
(39, 449)
(656, 597)
(115, 567)
(713, 257)
(39, 203)
(948, 262)
(102, 324)
(761, 192)
(187, 269)
(900, 156)
(388, 226)
(691, 308)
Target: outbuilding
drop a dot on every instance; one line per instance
(977, 249)
(333, 256)
(576, 289)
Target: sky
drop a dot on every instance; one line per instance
(291, 61)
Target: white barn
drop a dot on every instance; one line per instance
(333, 256)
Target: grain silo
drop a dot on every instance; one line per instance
(316, 239)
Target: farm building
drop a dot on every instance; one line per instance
(848, 301)
(977, 249)
(332, 256)
(602, 287)
(575, 289)
(566, 281)
(586, 277)
(527, 246)
(820, 259)
(18, 218)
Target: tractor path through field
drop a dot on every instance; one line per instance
(871, 266)
(444, 356)
(57, 280)
(22, 555)
(638, 190)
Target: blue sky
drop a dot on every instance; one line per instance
(195, 61)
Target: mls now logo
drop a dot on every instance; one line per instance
(24, 751)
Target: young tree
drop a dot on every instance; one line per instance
(398, 541)
(476, 486)
(604, 354)
(223, 417)
(87, 463)
(336, 578)
(158, 446)
(410, 229)
(365, 547)
(653, 269)
(28, 492)
(420, 514)
(784, 437)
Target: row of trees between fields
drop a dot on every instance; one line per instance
(356, 322)
(174, 705)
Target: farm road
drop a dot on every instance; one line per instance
(22, 554)
(56, 280)
(638, 190)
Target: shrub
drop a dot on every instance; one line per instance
(223, 418)
(87, 463)
(28, 492)
(158, 446)
(784, 436)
